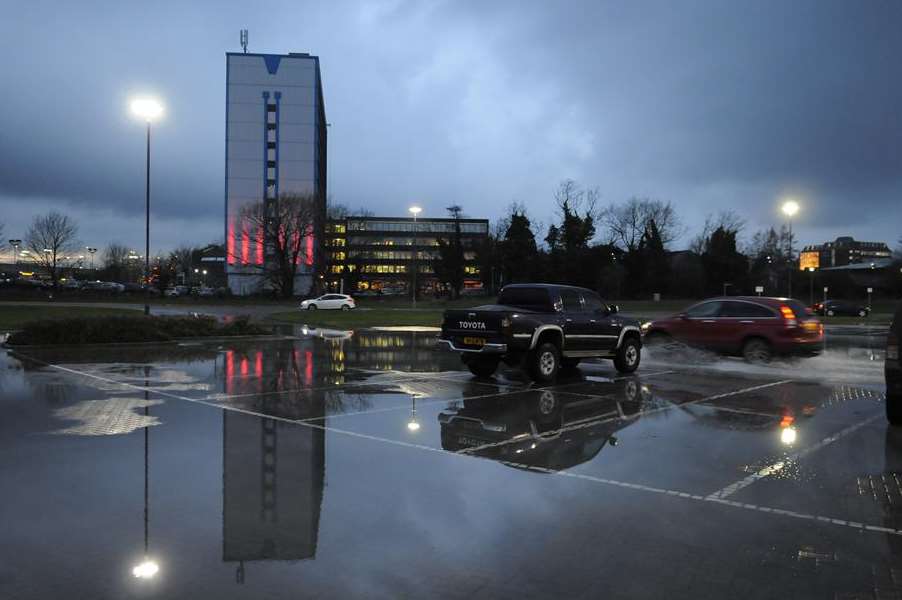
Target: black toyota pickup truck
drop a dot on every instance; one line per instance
(543, 328)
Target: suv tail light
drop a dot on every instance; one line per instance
(892, 347)
(789, 317)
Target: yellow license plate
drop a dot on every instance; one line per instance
(811, 326)
(474, 341)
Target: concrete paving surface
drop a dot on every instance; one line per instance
(370, 465)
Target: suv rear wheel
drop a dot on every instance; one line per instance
(629, 354)
(544, 362)
(757, 351)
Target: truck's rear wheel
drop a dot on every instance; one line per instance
(483, 366)
(629, 354)
(544, 362)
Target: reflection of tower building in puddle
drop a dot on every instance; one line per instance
(273, 471)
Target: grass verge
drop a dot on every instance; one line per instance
(126, 329)
(14, 317)
(358, 319)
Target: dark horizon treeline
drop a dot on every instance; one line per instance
(623, 251)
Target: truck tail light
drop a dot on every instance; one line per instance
(789, 317)
(892, 347)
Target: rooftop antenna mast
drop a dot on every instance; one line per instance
(244, 40)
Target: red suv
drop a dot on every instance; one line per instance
(753, 327)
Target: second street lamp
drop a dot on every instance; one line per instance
(415, 210)
(790, 208)
(149, 110)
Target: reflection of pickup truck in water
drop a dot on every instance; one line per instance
(544, 328)
(538, 429)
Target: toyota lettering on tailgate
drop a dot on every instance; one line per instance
(471, 325)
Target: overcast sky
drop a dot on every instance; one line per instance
(708, 104)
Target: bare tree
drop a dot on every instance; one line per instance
(727, 220)
(181, 260)
(626, 223)
(117, 265)
(51, 238)
(283, 231)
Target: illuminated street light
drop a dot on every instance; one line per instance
(790, 208)
(415, 210)
(149, 110)
(146, 569)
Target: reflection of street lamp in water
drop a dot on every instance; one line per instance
(147, 568)
(413, 425)
(788, 435)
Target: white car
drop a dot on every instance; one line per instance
(329, 302)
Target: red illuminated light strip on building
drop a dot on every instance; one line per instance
(260, 246)
(230, 243)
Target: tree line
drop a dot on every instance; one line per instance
(625, 250)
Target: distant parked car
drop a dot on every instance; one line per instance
(329, 302)
(71, 284)
(838, 308)
(754, 327)
(206, 292)
(893, 370)
(176, 291)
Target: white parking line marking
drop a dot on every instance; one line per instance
(788, 460)
(582, 476)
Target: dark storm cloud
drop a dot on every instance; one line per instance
(708, 104)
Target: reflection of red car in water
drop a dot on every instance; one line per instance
(540, 429)
(753, 327)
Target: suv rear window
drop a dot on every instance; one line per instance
(528, 298)
(745, 309)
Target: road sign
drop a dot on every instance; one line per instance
(759, 289)
(826, 289)
(870, 290)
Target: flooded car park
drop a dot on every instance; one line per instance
(370, 465)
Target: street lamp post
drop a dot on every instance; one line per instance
(790, 208)
(15, 244)
(91, 251)
(204, 280)
(415, 210)
(811, 293)
(147, 109)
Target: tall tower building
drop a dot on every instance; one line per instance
(275, 146)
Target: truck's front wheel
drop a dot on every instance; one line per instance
(628, 355)
(544, 362)
(483, 366)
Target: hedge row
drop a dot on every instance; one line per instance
(127, 329)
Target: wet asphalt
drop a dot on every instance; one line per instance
(372, 466)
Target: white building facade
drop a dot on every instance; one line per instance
(275, 145)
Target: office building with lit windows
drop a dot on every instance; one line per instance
(842, 252)
(275, 146)
(377, 255)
